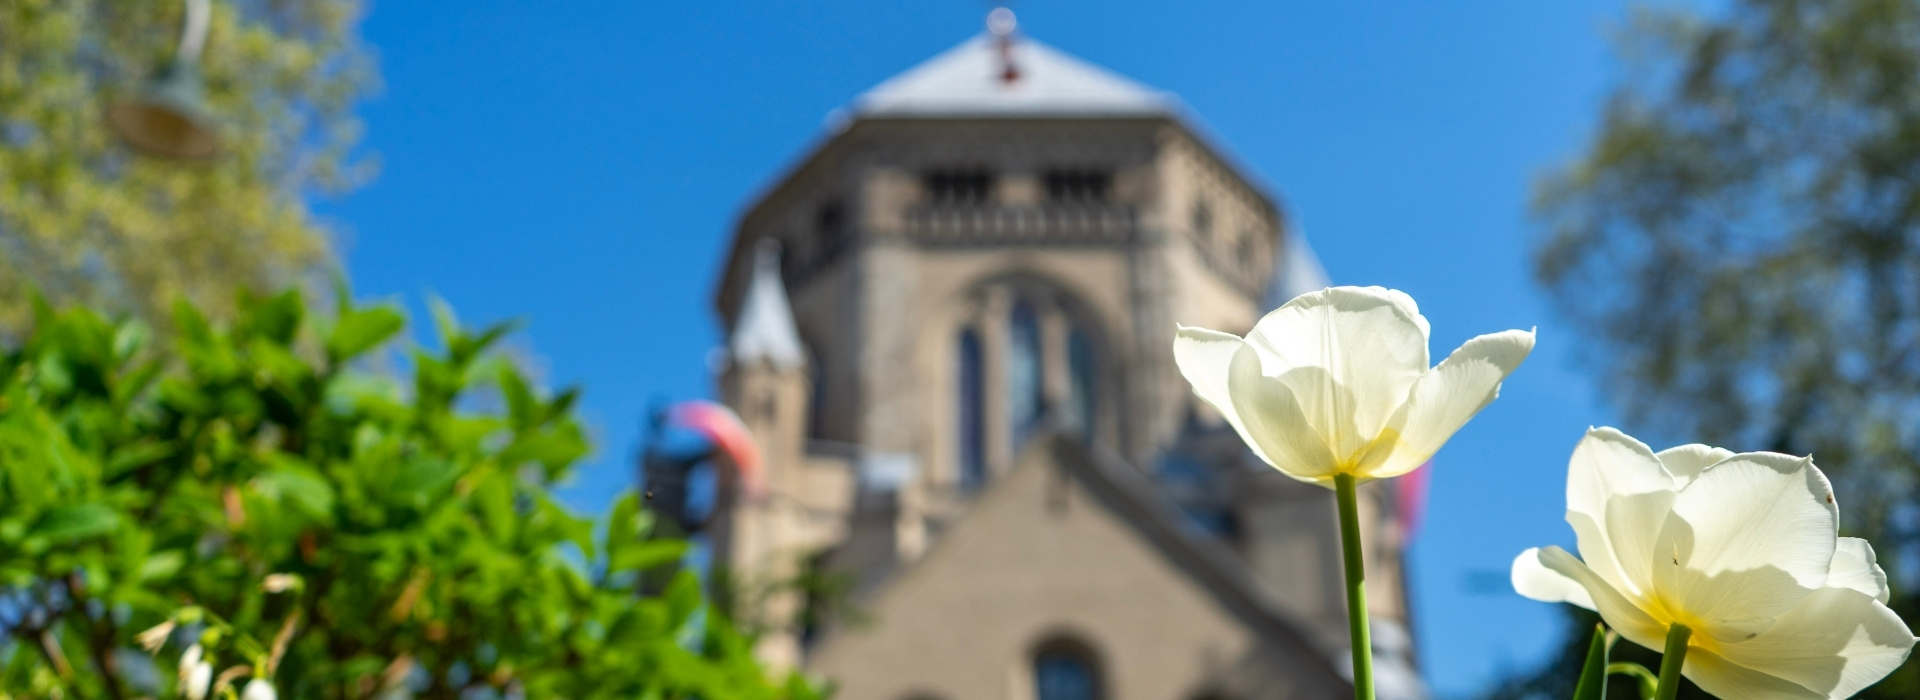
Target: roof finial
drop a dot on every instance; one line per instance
(1002, 23)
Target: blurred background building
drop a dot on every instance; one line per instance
(950, 339)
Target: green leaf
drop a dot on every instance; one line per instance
(359, 330)
(683, 598)
(289, 481)
(420, 478)
(76, 522)
(191, 325)
(137, 455)
(129, 338)
(1593, 676)
(646, 555)
(276, 318)
(521, 403)
(160, 565)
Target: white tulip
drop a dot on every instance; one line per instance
(1742, 549)
(258, 689)
(1337, 382)
(195, 674)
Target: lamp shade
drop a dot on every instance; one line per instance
(168, 116)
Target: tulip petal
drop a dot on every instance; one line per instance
(1835, 642)
(1687, 461)
(1534, 580)
(1608, 465)
(1854, 566)
(1371, 344)
(1726, 679)
(1408, 307)
(1745, 542)
(1633, 534)
(1755, 511)
(1273, 425)
(1446, 398)
(1620, 613)
(1205, 358)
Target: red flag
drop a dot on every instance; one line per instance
(721, 425)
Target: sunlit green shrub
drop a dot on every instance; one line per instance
(259, 492)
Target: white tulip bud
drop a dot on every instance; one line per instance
(195, 674)
(258, 689)
(1336, 383)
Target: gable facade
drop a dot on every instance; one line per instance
(1058, 555)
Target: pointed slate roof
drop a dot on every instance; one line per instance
(969, 80)
(765, 329)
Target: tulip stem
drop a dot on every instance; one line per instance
(1670, 662)
(1356, 587)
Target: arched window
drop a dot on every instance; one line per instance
(1081, 377)
(1065, 672)
(972, 410)
(1025, 397)
(1028, 359)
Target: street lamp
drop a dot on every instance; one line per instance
(168, 116)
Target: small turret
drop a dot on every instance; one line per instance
(765, 332)
(765, 381)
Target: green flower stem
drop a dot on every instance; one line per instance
(1670, 663)
(1649, 684)
(1356, 587)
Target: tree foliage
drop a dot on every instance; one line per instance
(83, 219)
(1739, 248)
(255, 497)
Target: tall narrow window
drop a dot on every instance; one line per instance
(1024, 390)
(1081, 375)
(1064, 675)
(972, 409)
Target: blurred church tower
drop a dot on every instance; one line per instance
(951, 335)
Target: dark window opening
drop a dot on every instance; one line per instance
(960, 187)
(1202, 220)
(1078, 185)
(830, 227)
(1082, 375)
(831, 222)
(1026, 393)
(816, 397)
(1065, 674)
(973, 447)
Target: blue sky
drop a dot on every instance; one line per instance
(579, 166)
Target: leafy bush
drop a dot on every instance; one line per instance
(258, 498)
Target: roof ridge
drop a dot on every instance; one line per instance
(972, 78)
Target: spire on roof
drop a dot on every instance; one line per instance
(1001, 23)
(764, 329)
